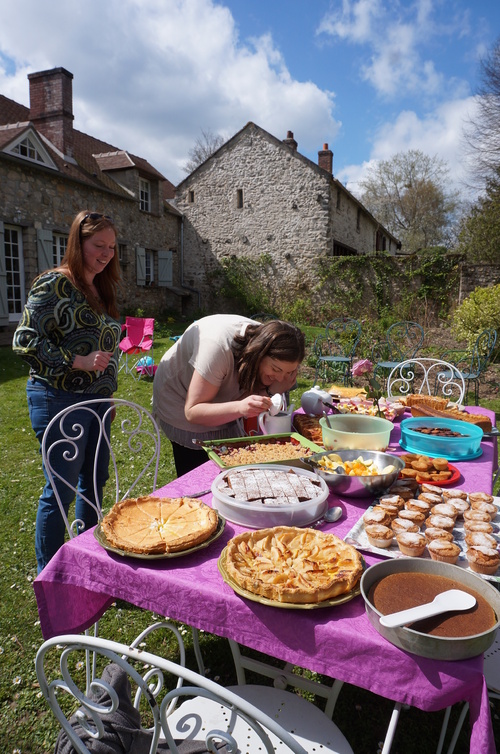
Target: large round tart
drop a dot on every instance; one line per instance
(289, 564)
(152, 525)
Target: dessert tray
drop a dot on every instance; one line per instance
(335, 601)
(444, 482)
(357, 537)
(103, 541)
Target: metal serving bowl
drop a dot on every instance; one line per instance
(427, 645)
(358, 486)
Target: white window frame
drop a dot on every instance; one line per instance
(59, 244)
(16, 294)
(149, 267)
(144, 195)
(29, 142)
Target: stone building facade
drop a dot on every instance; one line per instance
(49, 171)
(257, 195)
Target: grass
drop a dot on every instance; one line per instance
(26, 725)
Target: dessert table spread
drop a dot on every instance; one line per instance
(83, 579)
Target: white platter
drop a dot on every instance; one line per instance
(358, 538)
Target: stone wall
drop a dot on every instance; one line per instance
(258, 197)
(477, 276)
(34, 198)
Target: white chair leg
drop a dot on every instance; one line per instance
(389, 736)
(458, 728)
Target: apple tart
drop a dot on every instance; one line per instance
(289, 564)
(153, 525)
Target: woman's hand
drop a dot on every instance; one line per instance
(202, 408)
(95, 361)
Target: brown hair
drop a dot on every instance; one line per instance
(85, 225)
(277, 339)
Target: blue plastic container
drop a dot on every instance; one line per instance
(452, 448)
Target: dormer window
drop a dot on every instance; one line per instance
(144, 195)
(30, 148)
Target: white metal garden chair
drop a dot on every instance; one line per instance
(425, 376)
(239, 717)
(133, 426)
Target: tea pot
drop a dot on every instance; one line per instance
(315, 400)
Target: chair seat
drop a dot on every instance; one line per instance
(386, 364)
(310, 726)
(336, 359)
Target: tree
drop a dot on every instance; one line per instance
(204, 147)
(408, 195)
(482, 133)
(479, 237)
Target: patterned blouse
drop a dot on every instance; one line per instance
(57, 324)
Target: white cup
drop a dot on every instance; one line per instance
(275, 425)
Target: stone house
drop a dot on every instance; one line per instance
(257, 195)
(49, 171)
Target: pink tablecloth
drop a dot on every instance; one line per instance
(83, 579)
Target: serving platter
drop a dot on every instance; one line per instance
(334, 602)
(444, 482)
(358, 538)
(103, 541)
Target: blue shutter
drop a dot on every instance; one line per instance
(4, 304)
(140, 265)
(45, 250)
(165, 274)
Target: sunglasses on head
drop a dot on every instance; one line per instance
(95, 216)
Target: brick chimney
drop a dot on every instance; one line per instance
(290, 141)
(325, 158)
(51, 107)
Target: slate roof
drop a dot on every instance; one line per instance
(95, 159)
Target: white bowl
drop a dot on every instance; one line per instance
(257, 515)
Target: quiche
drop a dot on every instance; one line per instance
(154, 525)
(289, 564)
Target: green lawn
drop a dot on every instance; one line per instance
(26, 726)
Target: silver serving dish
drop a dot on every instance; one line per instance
(426, 645)
(358, 486)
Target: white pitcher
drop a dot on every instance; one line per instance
(280, 423)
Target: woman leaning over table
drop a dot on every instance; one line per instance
(223, 368)
(69, 336)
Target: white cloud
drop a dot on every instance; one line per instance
(354, 22)
(439, 133)
(149, 76)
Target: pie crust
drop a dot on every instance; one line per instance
(289, 564)
(152, 525)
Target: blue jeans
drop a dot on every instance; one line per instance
(44, 402)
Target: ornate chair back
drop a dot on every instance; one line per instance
(427, 377)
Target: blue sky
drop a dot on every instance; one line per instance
(368, 77)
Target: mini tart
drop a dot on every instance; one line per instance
(293, 565)
(480, 539)
(483, 560)
(481, 526)
(440, 464)
(411, 543)
(416, 516)
(442, 522)
(400, 525)
(379, 536)
(432, 532)
(475, 515)
(377, 516)
(460, 504)
(392, 510)
(485, 507)
(396, 500)
(432, 488)
(480, 497)
(443, 551)
(444, 509)
(455, 493)
(418, 505)
(430, 497)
